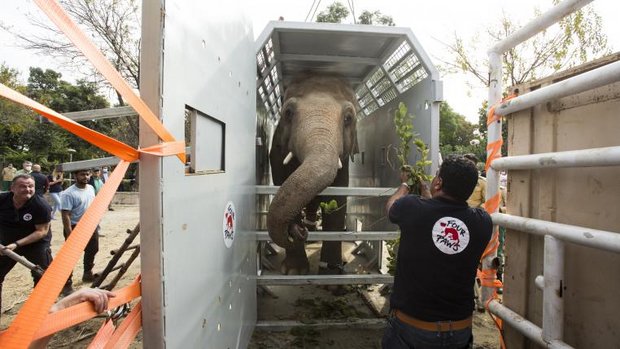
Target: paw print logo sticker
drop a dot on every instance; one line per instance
(450, 235)
(27, 217)
(229, 224)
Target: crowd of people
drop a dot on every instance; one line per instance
(26, 215)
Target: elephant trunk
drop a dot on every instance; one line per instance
(316, 173)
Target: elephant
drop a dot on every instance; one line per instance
(311, 146)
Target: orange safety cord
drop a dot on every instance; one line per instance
(35, 310)
(111, 145)
(102, 336)
(55, 12)
(84, 311)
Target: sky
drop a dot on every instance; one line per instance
(432, 22)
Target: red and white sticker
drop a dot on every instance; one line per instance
(229, 224)
(450, 235)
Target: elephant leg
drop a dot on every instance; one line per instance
(296, 261)
(331, 251)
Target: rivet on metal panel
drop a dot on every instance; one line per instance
(239, 83)
(230, 283)
(219, 59)
(219, 326)
(219, 299)
(239, 289)
(184, 227)
(230, 74)
(204, 323)
(204, 44)
(230, 306)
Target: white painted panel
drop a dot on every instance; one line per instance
(206, 290)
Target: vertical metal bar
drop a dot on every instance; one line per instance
(494, 134)
(553, 300)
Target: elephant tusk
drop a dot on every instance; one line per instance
(288, 158)
(339, 163)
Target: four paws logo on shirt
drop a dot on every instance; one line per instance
(450, 235)
(27, 217)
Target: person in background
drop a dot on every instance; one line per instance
(478, 196)
(8, 173)
(96, 181)
(75, 201)
(24, 227)
(441, 242)
(41, 183)
(55, 179)
(26, 168)
(104, 173)
(99, 298)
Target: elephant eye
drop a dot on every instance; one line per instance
(289, 112)
(348, 119)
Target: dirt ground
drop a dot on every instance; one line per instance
(302, 303)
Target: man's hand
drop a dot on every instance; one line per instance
(11, 247)
(98, 297)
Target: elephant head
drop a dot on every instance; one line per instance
(315, 135)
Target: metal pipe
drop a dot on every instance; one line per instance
(608, 156)
(598, 77)
(338, 191)
(599, 239)
(525, 327)
(553, 301)
(542, 22)
(494, 134)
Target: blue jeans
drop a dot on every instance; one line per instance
(57, 203)
(399, 335)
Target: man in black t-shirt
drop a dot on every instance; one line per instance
(24, 226)
(441, 242)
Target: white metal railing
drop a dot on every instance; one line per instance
(608, 156)
(551, 333)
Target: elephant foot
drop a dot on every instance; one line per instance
(296, 261)
(336, 269)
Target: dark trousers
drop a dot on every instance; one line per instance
(399, 335)
(91, 249)
(38, 253)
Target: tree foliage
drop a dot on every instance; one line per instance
(337, 12)
(578, 38)
(114, 26)
(456, 134)
(28, 136)
(375, 17)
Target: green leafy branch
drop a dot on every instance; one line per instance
(403, 123)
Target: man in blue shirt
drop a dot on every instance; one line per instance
(75, 200)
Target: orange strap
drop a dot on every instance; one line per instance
(84, 311)
(102, 336)
(127, 331)
(496, 152)
(35, 310)
(55, 12)
(491, 116)
(111, 145)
